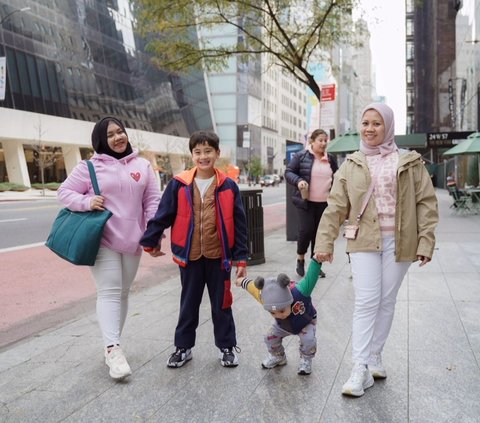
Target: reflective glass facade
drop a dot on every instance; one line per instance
(81, 59)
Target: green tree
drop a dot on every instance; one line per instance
(293, 33)
(254, 167)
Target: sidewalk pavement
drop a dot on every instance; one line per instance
(30, 194)
(432, 355)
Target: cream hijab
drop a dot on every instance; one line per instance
(388, 146)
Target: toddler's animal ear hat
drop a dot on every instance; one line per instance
(276, 294)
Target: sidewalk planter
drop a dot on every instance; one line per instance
(252, 203)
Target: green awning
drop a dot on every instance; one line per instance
(350, 142)
(346, 143)
(469, 146)
(411, 140)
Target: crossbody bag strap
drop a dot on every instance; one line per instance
(369, 193)
(93, 177)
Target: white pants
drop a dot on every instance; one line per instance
(376, 280)
(113, 273)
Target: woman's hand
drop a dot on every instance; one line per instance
(323, 257)
(302, 185)
(96, 203)
(423, 260)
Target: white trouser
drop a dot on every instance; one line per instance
(113, 273)
(376, 280)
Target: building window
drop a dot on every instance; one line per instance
(410, 72)
(410, 50)
(409, 27)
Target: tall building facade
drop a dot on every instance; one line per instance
(467, 69)
(430, 65)
(256, 106)
(81, 60)
(354, 75)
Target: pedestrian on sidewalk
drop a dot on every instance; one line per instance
(209, 231)
(129, 189)
(311, 173)
(290, 304)
(386, 232)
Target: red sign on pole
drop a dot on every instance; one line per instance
(328, 92)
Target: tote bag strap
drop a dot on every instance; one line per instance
(93, 177)
(370, 190)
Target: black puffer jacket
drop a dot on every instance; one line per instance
(300, 169)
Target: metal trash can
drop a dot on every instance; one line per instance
(252, 203)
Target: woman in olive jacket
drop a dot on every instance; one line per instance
(396, 228)
(311, 170)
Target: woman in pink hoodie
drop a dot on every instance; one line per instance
(129, 189)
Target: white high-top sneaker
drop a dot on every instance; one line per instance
(116, 361)
(375, 366)
(360, 379)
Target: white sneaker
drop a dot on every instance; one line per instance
(273, 361)
(360, 379)
(116, 361)
(305, 366)
(375, 366)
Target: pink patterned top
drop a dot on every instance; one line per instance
(385, 191)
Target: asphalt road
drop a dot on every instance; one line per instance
(26, 222)
(23, 223)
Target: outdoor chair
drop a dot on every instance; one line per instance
(460, 200)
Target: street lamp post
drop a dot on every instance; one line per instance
(2, 43)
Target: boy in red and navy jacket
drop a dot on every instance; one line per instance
(209, 232)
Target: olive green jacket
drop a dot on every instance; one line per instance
(416, 213)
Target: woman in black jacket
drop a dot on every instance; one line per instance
(311, 171)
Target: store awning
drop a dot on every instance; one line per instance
(411, 141)
(346, 143)
(469, 146)
(350, 142)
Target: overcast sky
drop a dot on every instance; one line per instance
(386, 21)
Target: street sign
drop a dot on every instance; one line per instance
(445, 139)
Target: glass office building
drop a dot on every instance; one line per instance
(81, 59)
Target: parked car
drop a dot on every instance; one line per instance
(267, 181)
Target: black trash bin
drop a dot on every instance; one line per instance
(252, 203)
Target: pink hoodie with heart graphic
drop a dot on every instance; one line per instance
(131, 193)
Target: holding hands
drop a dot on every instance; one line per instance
(155, 251)
(323, 257)
(240, 274)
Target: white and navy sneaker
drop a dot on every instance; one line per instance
(228, 357)
(179, 357)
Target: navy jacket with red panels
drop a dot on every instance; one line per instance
(176, 211)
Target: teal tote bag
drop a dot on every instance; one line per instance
(76, 236)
